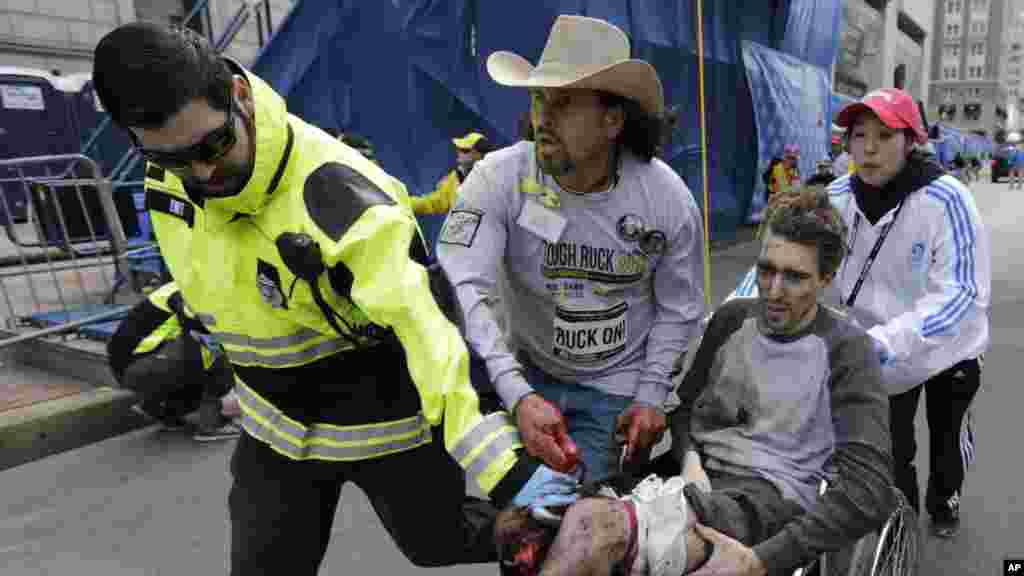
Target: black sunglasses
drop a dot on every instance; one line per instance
(211, 148)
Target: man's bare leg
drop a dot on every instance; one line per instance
(596, 534)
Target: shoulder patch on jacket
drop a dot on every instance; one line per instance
(461, 227)
(165, 203)
(337, 195)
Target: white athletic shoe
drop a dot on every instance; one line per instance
(662, 522)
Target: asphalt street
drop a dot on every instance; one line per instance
(150, 503)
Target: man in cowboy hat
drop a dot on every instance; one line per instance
(596, 242)
(468, 151)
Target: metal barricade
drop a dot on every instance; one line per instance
(62, 268)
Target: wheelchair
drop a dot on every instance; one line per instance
(891, 551)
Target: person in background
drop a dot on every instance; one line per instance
(786, 174)
(469, 150)
(1015, 160)
(162, 354)
(959, 168)
(823, 176)
(841, 164)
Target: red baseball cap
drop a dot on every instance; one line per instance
(895, 108)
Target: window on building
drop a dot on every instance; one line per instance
(978, 49)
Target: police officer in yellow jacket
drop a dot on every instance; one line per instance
(302, 260)
(162, 354)
(468, 151)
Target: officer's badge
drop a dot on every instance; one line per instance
(269, 283)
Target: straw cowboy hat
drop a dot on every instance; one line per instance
(587, 53)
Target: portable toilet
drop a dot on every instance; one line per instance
(85, 116)
(34, 121)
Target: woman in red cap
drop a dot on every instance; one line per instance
(918, 278)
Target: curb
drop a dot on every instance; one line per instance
(46, 428)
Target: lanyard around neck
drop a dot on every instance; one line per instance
(874, 251)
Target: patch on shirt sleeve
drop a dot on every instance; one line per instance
(461, 227)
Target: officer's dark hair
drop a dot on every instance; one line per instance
(642, 134)
(806, 216)
(145, 73)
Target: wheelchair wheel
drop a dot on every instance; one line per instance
(899, 544)
(892, 551)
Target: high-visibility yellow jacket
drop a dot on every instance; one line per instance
(306, 391)
(441, 200)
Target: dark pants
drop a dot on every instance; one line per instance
(281, 509)
(951, 440)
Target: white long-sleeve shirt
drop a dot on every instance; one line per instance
(579, 295)
(926, 296)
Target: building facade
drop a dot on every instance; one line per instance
(884, 44)
(1014, 69)
(59, 35)
(968, 87)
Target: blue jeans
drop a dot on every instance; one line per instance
(590, 416)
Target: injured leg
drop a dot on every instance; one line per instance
(594, 537)
(649, 532)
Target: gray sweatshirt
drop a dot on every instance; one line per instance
(786, 409)
(602, 289)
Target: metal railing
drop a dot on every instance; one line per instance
(63, 267)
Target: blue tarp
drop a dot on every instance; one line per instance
(410, 74)
(791, 103)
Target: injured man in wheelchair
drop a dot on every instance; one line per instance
(782, 394)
